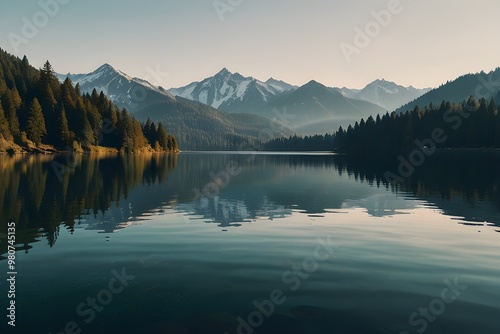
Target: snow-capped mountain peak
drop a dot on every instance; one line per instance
(232, 92)
(121, 88)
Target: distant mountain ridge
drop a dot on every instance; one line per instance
(385, 94)
(479, 85)
(317, 109)
(196, 125)
(232, 92)
(310, 109)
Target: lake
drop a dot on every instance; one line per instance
(220, 242)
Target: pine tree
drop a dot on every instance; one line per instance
(4, 126)
(497, 132)
(153, 134)
(35, 129)
(162, 136)
(13, 122)
(492, 107)
(175, 144)
(147, 131)
(62, 128)
(12, 102)
(47, 75)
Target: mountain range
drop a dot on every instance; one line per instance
(310, 109)
(385, 94)
(205, 114)
(233, 92)
(197, 126)
(314, 108)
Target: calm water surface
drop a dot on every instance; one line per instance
(251, 243)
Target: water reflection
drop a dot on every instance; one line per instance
(109, 193)
(40, 203)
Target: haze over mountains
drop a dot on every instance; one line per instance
(310, 109)
(230, 105)
(385, 94)
(314, 108)
(233, 92)
(196, 125)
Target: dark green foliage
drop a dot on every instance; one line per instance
(4, 126)
(65, 137)
(158, 137)
(470, 124)
(481, 85)
(162, 136)
(35, 129)
(299, 143)
(12, 102)
(54, 113)
(200, 127)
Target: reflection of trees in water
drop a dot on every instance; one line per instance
(34, 198)
(473, 177)
(32, 195)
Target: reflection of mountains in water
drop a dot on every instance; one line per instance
(110, 192)
(232, 213)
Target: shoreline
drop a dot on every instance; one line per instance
(101, 150)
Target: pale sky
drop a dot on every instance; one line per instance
(426, 42)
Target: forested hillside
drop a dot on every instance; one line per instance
(471, 124)
(196, 125)
(481, 85)
(301, 143)
(38, 113)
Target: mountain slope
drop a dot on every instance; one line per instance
(385, 94)
(232, 92)
(314, 108)
(125, 91)
(196, 125)
(479, 85)
(46, 115)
